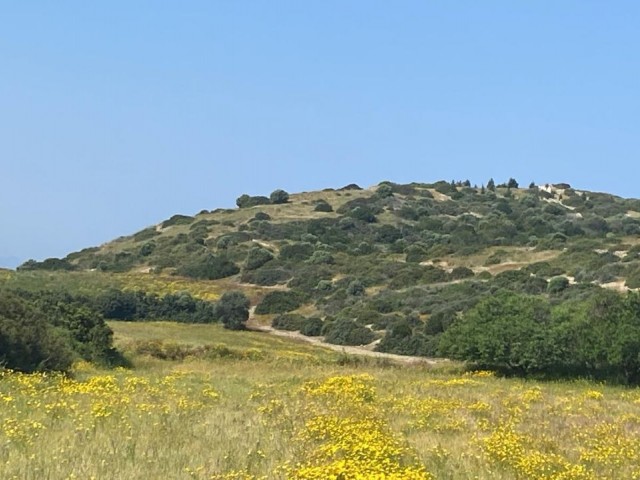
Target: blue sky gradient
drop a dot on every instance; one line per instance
(116, 115)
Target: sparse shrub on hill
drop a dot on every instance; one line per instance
(223, 242)
(147, 249)
(311, 327)
(246, 201)
(288, 321)
(403, 338)
(280, 302)
(233, 310)
(48, 264)
(347, 332)
(262, 216)
(321, 257)
(323, 206)
(267, 276)
(211, 267)
(257, 257)
(364, 214)
(351, 186)
(384, 191)
(146, 234)
(444, 187)
(416, 253)
(387, 234)
(279, 197)
(557, 284)
(633, 278)
(460, 273)
(177, 220)
(296, 251)
(356, 288)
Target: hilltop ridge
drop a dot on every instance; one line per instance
(390, 265)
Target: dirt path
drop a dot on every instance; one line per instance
(403, 359)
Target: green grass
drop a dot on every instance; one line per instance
(275, 348)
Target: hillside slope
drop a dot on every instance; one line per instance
(391, 264)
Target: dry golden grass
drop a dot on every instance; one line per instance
(513, 258)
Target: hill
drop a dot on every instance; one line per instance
(391, 266)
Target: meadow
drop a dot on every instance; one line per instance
(252, 406)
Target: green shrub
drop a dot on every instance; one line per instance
(633, 279)
(311, 327)
(364, 214)
(247, 201)
(267, 276)
(280, 302)
(257, 257)
(233, 310)
(323, 206)
(356, 288)
(48, 264)
(146, 234)
(288, 321)
(262, 216)
(347, 332)
(28, 342)
(211, 267)
(177, 220)
(296, 251)
(321, 257)
(558, 284)
(279, 196)
(459, 273)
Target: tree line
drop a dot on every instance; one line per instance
(46, 330)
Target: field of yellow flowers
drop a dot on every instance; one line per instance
(289, 413)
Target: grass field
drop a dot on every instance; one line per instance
(256, 406)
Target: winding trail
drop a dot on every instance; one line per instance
(351, 350)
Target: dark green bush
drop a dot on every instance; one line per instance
(459, 273)
(177, 220)
(210, 267)
(28, 342)
(323, 206)
(233, 310)
(347, 332)
(279, 196)
(247, 201)
(48, 264)
(296, 251)
(288, 321)
(311, 327)
(558, 284)
(257, 257)
(267, 276)
(280, 302)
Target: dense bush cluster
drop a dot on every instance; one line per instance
(48, 331)
(117, 304)
(598, 337)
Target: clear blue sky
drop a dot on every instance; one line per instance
(116, 115)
